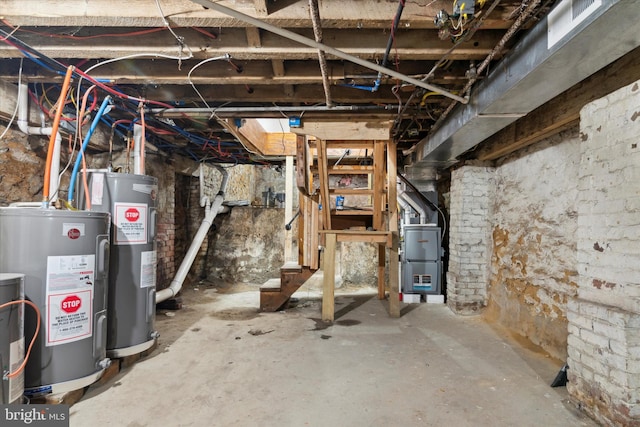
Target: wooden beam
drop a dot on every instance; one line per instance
(251, 133)
(343, 130)
(392, 202)
(378, 183)
(184, 13)
(329, 278)
(253, 37)
(312, 246)
(262, 7)
(288, 206)
(349, 170)
(277, 66)
(323, 178)
(303, 172)
(394, 299)
(392, 189)
(351, 191)
(230, 126)
(382, 268)
(365, 236)
(303, 219)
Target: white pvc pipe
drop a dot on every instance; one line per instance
(406, 208)
(138, 168)
(423, 216)
(211, 211)
(23, 125)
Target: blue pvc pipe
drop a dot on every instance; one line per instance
(92, 129)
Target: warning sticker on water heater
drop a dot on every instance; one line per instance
(16, 356)
(69, 317)
(69, 304)
(130, 220)
(148, 264)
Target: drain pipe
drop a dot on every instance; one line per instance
(23, 125)
(138, 150)
(211, 211)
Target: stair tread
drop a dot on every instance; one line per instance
(289, 266)
(270, 285)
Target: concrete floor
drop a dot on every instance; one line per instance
(220, 362)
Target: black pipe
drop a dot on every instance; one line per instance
(288, 225)
(392, 37)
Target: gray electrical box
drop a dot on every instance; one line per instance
(421, 259)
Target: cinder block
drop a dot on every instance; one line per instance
(435, 299)
(411, 298)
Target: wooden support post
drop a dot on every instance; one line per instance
(303, 223)
(329, 273)
(382, 249)
(378, 184)
(392, 194)
(288, 207)
(312, 246)
(394, 299)
(323, 177)
(303, 167)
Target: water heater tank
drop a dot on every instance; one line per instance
(132, 202)
(11, 336)
(64, 256)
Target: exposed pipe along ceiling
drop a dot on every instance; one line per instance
(441, 107)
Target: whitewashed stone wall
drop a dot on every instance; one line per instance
(604, 319)
(533, 266)
(469, 238)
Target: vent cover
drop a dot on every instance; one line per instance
(566, 16)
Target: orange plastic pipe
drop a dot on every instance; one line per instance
(54, 132)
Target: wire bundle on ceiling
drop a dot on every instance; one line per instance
(198, 146)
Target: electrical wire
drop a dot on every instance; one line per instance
(15, 111)
(225, 57)
(179, 39)
(33, 339)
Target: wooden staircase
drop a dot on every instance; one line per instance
(275, 293)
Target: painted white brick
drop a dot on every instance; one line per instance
(609, 331)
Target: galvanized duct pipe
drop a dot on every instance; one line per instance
(419, 209)
(404, 205)
(317, 32)
(211, 211)
(328, 49)
(531, 7)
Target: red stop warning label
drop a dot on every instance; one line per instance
(132, 214)
(70, 304)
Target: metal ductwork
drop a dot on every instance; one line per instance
(575, 40)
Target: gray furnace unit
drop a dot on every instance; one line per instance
(421, 259)
(132, 202)
(64, 256)
(11, 337)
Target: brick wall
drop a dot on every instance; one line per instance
(469, 238)
(604, 318)
(165, 173)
